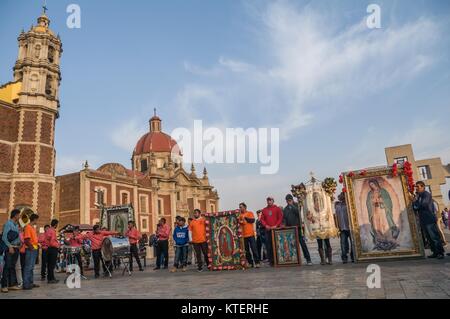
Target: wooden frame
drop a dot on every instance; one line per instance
(293, 232)
(216, 259)
(382, 221)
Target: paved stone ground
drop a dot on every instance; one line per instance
(400, 279)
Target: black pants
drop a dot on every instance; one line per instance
(250, 246)
(303, 245)
(199, 249)
(22, 264)
(98, 259)
(261, 244)
(134, 252)
(162, 252)
(269, 246)
(52, 256)
(346, 245)
(9, 277)
(44, 264)
(434, 238)
(327, 243)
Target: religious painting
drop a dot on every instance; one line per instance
(116, 218)
(382, 220)
(318, 213)
(286, 248)
(225, 242)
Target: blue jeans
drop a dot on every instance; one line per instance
(180, 256)
(30, 261)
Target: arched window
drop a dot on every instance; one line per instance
(48, 85)
(51, 54)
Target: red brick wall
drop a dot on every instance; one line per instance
(29, 126)
(4, 199)
(69, 192)
(45, 162)
(44, 207)
(95, 214)
(23, 193)
(27, 154)
(6, 158)
(69, 218)
(9, 123)
(46, 128)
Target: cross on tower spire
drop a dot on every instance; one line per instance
(44, 7)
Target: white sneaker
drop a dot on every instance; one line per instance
(309, 263)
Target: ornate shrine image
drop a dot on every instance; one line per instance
(286, 248)
(380, 209)
(225, 242)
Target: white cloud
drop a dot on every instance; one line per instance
(234, 65)
(127, 134)
(312, 61)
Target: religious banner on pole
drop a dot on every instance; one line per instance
(317, 209)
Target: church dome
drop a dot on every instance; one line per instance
(155, 140)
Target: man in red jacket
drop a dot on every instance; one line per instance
(271, 218)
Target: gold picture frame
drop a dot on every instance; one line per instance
(388, 195)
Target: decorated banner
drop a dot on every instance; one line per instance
(286, 248)
(382, 221)
(225, 242)
(317, 209)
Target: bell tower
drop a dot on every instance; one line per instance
(37, 69)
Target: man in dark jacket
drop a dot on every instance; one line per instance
(291, 217)
(423, 204)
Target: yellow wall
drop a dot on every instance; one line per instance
(10, 92)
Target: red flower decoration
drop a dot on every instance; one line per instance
(344, 190)
(341, 179)
(363, 173)
(351, 174)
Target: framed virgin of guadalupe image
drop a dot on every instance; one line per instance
(382, 221)
(286, 248)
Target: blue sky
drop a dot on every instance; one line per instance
(338, 91)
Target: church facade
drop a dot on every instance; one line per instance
(156, 185)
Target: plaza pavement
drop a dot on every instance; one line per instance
(422, 278)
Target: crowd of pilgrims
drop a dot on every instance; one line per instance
(19, 248)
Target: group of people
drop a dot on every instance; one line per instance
(189, 237)
(19, 251)
(19, 247)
